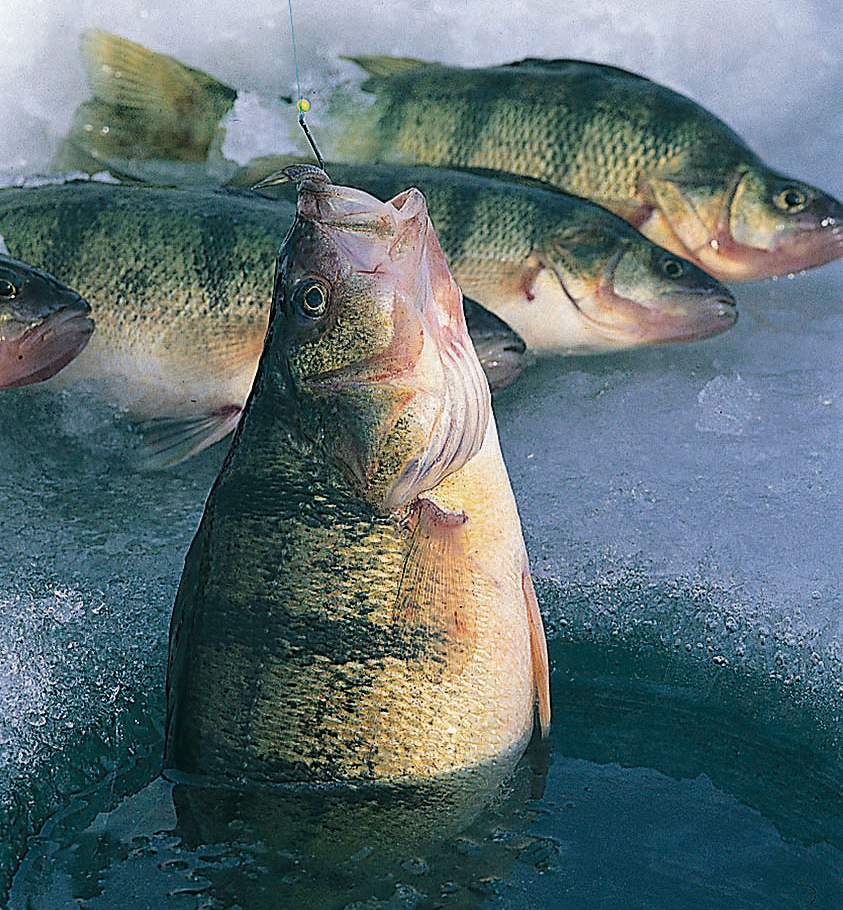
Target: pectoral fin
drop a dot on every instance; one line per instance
(538, 651)
(435, 606)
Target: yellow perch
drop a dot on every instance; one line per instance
(357, 605)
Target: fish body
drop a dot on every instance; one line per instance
(647, 153)
(356, 605)
(567, 275)
(43, 324)
(652, 156)
(563, 273)
(180, 285)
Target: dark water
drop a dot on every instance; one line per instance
(650, 794)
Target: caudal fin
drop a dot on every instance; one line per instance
(145, 105)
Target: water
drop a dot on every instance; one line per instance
(682, 509)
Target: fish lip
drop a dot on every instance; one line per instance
(812, 239)
(811, 247)
(502, 371)
(715, 315)
(48, 346)
(503, 361)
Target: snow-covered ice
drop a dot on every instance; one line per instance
(684, 501)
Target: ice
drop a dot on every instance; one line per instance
(682, 505)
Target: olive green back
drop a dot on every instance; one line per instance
(590, 129)
(148, 258)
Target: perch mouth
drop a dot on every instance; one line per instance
(686, 315)
(32, 353)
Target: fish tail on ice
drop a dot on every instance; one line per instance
(144, 104)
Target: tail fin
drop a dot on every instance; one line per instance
(145, 105)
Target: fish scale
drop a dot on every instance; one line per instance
(513, 119)
(356, 605)
(643, 151)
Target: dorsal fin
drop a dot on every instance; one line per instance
(384, 65)
(517, 179)
(561, 65)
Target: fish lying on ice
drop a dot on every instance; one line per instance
(565, 274)
(656, 158)
(180, 283)
(357, 604)
(647, 153)
(43, 324)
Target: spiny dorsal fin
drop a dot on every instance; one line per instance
(573, 67)
(435, 606)
(384, 65)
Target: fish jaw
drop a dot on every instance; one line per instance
(43, 324)
(691, 307)
(817, 240)
(39, 351)
(684, 316)
(628, 300)
(396, 393)
(501, 351)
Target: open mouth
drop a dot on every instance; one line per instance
(44, 349)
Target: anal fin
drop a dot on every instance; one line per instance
(538, 651)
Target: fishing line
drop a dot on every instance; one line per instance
(302, 104)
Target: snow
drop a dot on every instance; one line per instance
(682, 500)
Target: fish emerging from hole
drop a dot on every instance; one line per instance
(180, 283)
(43, 324)
(654, 157)
(357, 605)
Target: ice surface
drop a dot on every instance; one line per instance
(681, 503)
